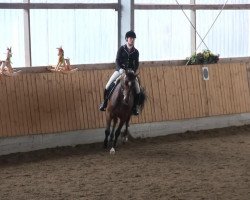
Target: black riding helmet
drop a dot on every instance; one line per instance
(130, 34)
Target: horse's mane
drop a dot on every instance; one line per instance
(132, 76)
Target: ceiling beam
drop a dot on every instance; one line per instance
(192, 7)
(59, 6)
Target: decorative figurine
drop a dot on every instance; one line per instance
(6, 67)
(1, 66)
(63, 64)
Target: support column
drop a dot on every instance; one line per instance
(27, 39)
(125, 19)
(193, 33)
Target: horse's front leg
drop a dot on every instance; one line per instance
(105, 143)
(125, 133)
(113, 130)
(107, 132)
(117, 133)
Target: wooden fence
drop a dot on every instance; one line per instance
(35, 103)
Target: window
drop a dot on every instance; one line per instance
(162, 35)
(87, 36)
(12, 35)
(229, 36)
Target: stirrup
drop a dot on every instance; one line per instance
(103, 106)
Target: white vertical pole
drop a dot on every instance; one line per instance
(193, 33)
(27, 40)
(125, 19)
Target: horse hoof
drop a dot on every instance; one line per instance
(124, 140)
(112, 151)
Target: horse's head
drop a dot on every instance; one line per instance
(128, 84)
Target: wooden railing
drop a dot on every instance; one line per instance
(35, 103)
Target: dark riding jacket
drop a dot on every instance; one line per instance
(126, 59)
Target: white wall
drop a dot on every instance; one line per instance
(90, 36)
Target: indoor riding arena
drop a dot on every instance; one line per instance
(191, 139)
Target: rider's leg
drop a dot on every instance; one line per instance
(104, 103)
(136, 100)
(114, 76)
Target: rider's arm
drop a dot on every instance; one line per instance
(118, 60)
(136, 61)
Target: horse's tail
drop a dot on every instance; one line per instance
(143, 98)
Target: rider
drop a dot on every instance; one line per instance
(127, 58)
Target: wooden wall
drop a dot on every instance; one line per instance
(34, 103)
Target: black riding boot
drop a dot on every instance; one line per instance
(136, 104)
(103, 105)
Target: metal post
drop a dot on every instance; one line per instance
(193, 32)
(125, 19)
(27, 39)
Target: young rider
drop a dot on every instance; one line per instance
(127, 58)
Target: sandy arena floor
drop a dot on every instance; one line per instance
(212, 164)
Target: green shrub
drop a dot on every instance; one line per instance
(206, 57)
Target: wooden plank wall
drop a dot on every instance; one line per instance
(35, 103)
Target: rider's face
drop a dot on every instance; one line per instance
(131, 41)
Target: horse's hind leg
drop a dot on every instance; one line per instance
(113, 130)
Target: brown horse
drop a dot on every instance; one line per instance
(120, 107)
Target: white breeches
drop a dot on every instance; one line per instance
(116, 74)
